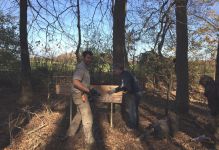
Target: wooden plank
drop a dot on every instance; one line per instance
(114, 98)
(65, 89)
(105, 97)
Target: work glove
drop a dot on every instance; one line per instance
(93, 92)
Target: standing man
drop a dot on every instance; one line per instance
(130, 100)
(213, 103)
(80, 92)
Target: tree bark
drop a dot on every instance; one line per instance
(217, 66)
(182, 92)
(126, 63)
(79, 32)
(26, 88)
(119, 15)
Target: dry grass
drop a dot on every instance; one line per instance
(45, 126)
(38, 132)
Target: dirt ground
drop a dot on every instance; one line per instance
(43, 125)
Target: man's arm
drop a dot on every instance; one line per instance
(118, 89)
(121, 87)
(127, 82)
(77, 79)
(77, 84)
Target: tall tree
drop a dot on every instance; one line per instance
(217, 66)
(182, 93)
(79, 30)
(26, 88)
(119, 15)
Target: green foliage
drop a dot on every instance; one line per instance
(9, 50)
(8, 61)
(44, 69)
(101, 62)
(101, 68)
(9, 39)
(52, 67)
(198, 68)
(151, 66)
(9, 43)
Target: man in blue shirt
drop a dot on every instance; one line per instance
(130, 100)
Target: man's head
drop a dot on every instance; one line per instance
(204, 80)
(117, 69)
(87, 57)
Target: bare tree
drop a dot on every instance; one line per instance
(26, 88)
(165, 23)
(182, 93)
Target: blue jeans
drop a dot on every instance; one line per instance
(130, 104)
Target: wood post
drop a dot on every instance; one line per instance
(70, 116)
(111, 115)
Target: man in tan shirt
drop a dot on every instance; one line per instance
(80, 92)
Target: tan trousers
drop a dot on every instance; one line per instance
(83, 114)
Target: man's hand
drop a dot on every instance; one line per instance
(84, 98)
(94, 92)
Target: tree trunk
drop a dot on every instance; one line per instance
(79, 31)
(119, 15)
(217, 66)
(182, 93)
(126, 63)
(26, 88)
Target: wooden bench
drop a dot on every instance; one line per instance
(63, 87)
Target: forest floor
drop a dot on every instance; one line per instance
(43, 125)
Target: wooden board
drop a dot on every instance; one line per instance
(65, 89)
(105, 97)
(63, 85)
